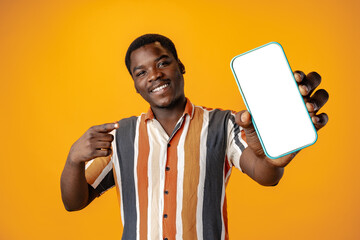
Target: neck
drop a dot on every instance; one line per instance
(174, 111)
(168, 116)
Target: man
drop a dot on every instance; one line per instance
(171, 165)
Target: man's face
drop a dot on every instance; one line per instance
(157, 75)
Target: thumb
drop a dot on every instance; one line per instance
(243, 119)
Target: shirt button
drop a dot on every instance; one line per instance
(169, 145)
(165, 216)
(166, 192)
(165, 238)
(167, 168)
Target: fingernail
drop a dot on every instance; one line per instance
(309, 107)
(242, 117)
(116, 125)
(315, 119)
(305, 88)
(297, 77)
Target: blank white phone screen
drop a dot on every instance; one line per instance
(272, 97)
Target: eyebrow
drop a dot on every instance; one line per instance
(161, 57)
(156, 60)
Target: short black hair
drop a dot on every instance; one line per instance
(147, 39)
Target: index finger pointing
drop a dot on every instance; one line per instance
(105, 128)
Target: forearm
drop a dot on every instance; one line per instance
(76, 193)
(74, 188)
(259, 169)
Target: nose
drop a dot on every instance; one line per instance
(155, 74)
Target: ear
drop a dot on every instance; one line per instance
(181, 66)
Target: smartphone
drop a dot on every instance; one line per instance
(272, 97)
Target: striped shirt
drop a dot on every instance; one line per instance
(172, 187)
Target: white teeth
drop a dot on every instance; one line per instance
(161, 87)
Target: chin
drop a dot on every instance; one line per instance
(167, 103)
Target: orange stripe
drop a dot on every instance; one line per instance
(142, 176)
(191, 175)
(95, 168)
(169, 223)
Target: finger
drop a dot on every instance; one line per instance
(105, 128)
(105, 137)
(309, 83)
(320, 120)
(98, 136)
(318, 100)
(299, 76)
(313, 81)
(243, 119)
(102, 145)
(102, 152)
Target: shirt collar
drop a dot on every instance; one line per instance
(189, 110)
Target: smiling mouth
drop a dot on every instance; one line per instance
(160, 88)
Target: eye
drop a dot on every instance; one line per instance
(163, 64)
(140, 73)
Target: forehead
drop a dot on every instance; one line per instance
(148, 52)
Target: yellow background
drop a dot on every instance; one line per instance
(62, 70)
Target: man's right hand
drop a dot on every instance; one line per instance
(95, 142)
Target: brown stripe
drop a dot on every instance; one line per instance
(169, 223)
(95, 168)
(142, 176)
(191, 175)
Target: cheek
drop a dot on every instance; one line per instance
(179, 79)
(136, 88)
(139, 85)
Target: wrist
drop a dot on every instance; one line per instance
(73, 162)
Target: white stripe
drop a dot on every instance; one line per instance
(150, 187)
(193, 110)
(199, 210)
(158, 149)
(102, 175)
(104, 172)
(88, 163)
(240, 138)
(228, 175)
(229, 147)
(118, 178)
(161, 165)
(180, 179)
(136, 154)
(222, 206)
(233, 151)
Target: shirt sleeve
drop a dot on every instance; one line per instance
(236, 142)
(99, 174)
